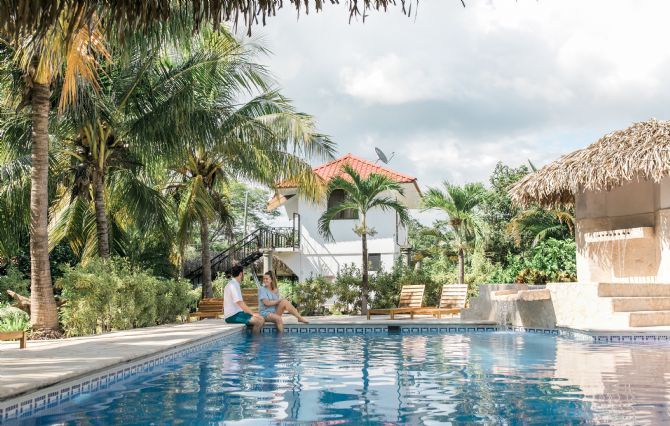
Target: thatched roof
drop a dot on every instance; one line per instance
(24, 17)
(640, 152)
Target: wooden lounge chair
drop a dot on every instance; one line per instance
(411, 298)
(15, 335)
(213, 307)
(452, 301)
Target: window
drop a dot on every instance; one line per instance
(374, 261)
(338, 197)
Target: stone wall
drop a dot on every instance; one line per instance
(573, 305)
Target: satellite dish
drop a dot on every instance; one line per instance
(382, 157)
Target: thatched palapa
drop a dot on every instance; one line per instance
(640, 152)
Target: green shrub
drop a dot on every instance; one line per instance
(347, 290)
(551, 260)
(15, 281)
(287, 289)
(106, 295)
(312, 294)
(13, 319)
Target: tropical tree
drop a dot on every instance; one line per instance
(261, 139)
(461, 206)
(42, 61)
(361, 196)
(542, 223)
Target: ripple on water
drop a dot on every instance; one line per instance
(408, 379)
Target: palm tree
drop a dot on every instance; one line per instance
(361, 196)
(41, 61)
(460, 204)
(542, 223)
(218, 138)
(200, 187)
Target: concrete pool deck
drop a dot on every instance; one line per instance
(45, 363)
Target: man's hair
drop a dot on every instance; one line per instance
(236, 271)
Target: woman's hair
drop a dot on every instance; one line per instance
(273, 280)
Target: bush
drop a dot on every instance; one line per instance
(347, 290)
(287, 289)
(13, 319)
(15, 281)
(106, 295)
(551, 260)
(312, 294)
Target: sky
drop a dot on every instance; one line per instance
(454, 90)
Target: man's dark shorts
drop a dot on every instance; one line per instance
(239, 318)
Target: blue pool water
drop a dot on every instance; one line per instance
(490, 378)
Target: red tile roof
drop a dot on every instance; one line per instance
(363, 167)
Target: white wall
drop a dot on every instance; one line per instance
(320, 257)
(634, 204)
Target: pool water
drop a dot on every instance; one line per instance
(501, 377)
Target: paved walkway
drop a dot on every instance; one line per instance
(45, 363)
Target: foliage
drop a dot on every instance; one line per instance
(13, 280)
(14, 323)
(287, 289)
(347, 290)
(498, 211)
(385, 287)
(551, 260)
(106, 295)
(312, 294)
(466, 228)
(362, 195)
(7, 312)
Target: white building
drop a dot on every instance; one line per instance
(315, 256)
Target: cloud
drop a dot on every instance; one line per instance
(391, 79)
(458, 89)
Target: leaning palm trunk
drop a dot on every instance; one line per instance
(43, 314)
(461, 266)
(365, 284)
(102, 227)
(206, 260)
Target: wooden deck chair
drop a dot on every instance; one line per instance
(411, 297)
(452, 301)
(208, 308)
(213, 307)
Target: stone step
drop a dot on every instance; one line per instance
(649, 318)
(633, 290)
(632, 304)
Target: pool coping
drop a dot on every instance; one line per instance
(30, 401)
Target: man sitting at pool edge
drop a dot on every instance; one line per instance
(235, 311)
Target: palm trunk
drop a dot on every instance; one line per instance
(206, 260)
(365, 284)
(43, 313)
(102, 227)
(461, 266)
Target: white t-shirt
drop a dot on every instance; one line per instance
(231, 295)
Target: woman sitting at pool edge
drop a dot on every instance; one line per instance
(272, 306)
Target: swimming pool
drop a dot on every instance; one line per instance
(497, 377)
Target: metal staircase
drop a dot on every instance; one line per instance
(249, 249)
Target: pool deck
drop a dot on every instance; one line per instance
(44, 363)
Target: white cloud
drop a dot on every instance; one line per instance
(391, 79)
(458, 89)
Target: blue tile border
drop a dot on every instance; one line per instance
(30, 404)
(27, 405)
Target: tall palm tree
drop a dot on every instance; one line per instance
(262, 139)
(460, 204)
(363, 195)
(41, 61)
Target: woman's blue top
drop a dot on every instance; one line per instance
(267, 294)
